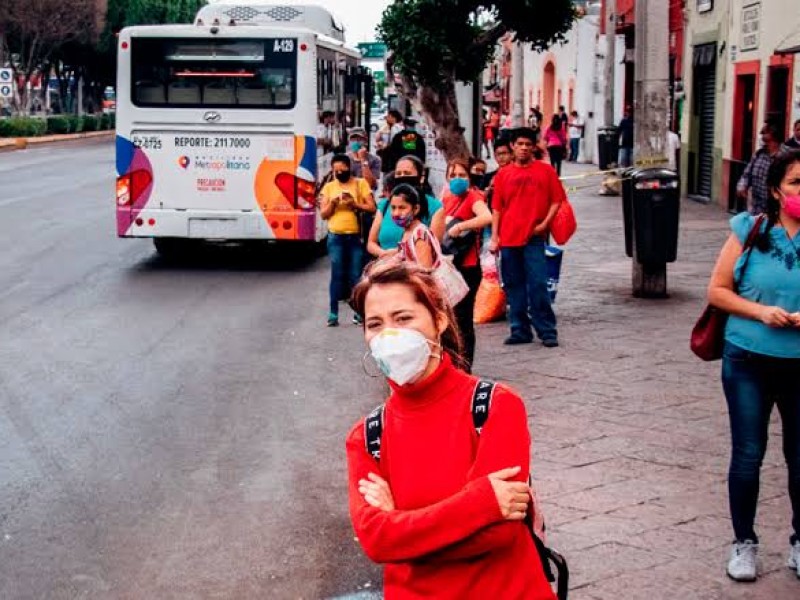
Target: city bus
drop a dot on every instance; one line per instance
(218, 122)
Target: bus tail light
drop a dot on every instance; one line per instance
(305, 192)
(130, 187)
(123, 190)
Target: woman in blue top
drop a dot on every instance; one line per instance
(761, 360)
(385, 234)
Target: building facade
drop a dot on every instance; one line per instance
(744, 71)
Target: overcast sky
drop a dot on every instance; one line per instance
(360, 17)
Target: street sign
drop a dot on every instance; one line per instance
(372, 49)
(6, 78)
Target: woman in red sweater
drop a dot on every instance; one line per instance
(443, 507)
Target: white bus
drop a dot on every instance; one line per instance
(218, 122)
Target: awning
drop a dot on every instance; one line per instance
(790, 44)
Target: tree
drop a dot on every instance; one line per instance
(34, 30)
(125, 13)
(435, 43)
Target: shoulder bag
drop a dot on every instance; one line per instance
(444, 271)
(708, 335)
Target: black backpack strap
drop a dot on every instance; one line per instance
(373, 428)
(554, 565)
(481, 401)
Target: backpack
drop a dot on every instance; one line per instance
(479, 407)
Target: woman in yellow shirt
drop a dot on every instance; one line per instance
(341, 198)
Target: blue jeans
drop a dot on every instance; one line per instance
(524, 272)
(346, 252)
(574, 148)
(625, 157)
(753, 383)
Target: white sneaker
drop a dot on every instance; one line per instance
(794, 557)
(743, 564)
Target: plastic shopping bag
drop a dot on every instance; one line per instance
(490, 302)
(553, 257)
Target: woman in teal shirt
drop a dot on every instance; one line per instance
(761, 360)
(385, 234)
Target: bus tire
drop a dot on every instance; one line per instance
(168, 247)
(321, 248)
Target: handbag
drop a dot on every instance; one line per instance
(564, 223)
(451, 282)
(708, 335)
(458, 246)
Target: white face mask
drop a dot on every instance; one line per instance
(401, 354)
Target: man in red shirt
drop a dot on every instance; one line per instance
(527, 195)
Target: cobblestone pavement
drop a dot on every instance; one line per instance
(630, 430)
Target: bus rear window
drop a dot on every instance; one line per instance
(214, 73)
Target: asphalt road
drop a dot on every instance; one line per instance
(166, 430)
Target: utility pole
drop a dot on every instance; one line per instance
(611, 50)
(651, 106)
(518, 85)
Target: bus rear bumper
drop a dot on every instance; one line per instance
(218, 225)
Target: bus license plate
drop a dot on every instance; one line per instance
(214, 228)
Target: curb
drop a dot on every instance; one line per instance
(10, 144)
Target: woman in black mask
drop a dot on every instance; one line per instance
(385, 235)
(340, 200)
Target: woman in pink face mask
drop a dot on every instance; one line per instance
(760, 290)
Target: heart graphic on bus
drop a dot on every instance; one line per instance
(184, 162)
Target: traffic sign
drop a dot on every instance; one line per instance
(372, 49)
(6, 78)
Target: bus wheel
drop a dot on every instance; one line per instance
(168, 247)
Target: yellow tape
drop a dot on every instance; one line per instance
(575, 188)
(590, 174)
(655, 160)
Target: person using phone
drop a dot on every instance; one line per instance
(341, 200)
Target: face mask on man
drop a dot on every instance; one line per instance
(343, 176)
(401, 354)
(356, 146)
(476, 180)
(791, 205)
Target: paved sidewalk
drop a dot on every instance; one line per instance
(630, 429)
(21, 143)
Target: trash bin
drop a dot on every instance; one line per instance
(627, 207)
(654, 205)
(607, 146)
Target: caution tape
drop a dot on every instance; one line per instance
(590, 174)
(575, 188)
(654, 160)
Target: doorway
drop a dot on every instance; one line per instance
(548, 108)
(704, 87)
(745, 102)
(777, 93)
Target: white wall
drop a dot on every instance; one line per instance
(579, 64)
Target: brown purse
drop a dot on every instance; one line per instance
(708, 335)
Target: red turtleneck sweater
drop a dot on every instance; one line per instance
(446, 538)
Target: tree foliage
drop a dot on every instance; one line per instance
(434, 43)
(431, 39)
(36, 29)
(77, 38)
